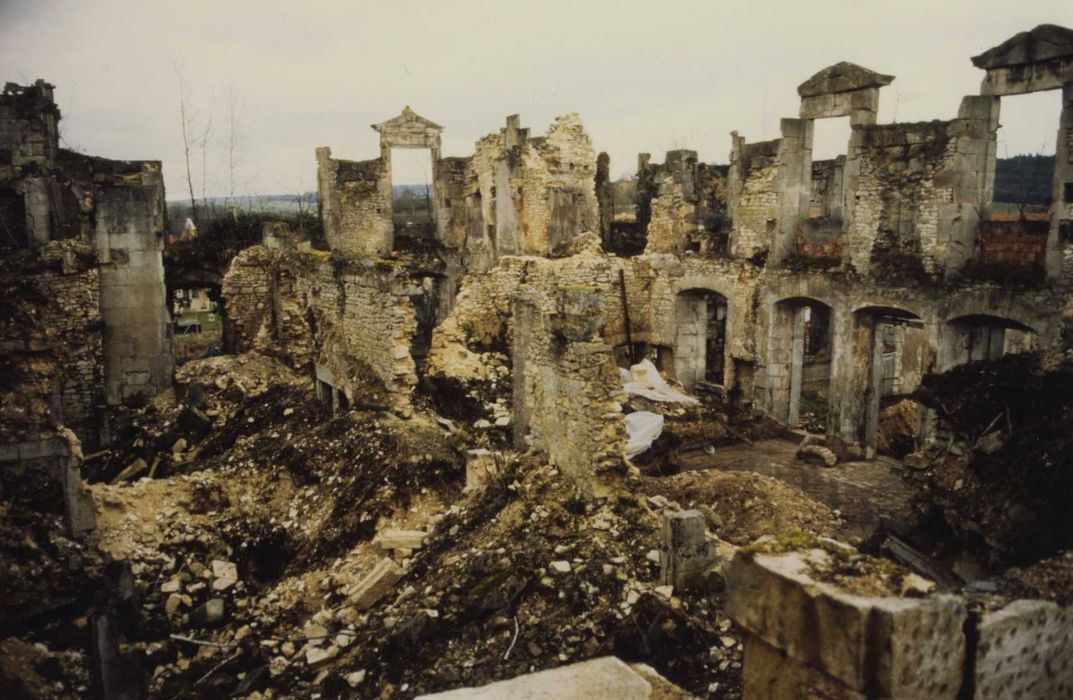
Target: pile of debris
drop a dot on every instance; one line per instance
(282, 550)
(1001, 470)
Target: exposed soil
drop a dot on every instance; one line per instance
(742, 506)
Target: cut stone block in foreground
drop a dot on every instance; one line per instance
(769, 674)
(1025, 650)
(606, 677)
(881, 645)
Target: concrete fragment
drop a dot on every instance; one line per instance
(376, 584)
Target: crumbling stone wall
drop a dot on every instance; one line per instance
(919, 191)
(753, 206)
(362, 314)
(29, 125)
(52, 345)
(682, 204)
(567, 394)
(671, 222)
(532, 196)
(355, 204)
(118, 207)
(263, 310)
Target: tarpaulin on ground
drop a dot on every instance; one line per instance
(643, 379)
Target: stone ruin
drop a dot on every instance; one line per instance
(762, 280)
(86, 328)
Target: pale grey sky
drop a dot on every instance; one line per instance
(645, 76)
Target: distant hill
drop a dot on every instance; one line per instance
(281, 203)
(1024, 179)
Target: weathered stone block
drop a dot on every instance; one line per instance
(900, 647)
(376, 584)
(686, 552)
(1025, 650)
(401, 539)
(480, 467)
(770, 674)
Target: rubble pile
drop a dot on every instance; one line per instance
(280, 547)
(1003, 474)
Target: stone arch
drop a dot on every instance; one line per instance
(700, 336)
(981, 336)
(800, 349)
(891, 352)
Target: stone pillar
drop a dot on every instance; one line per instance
(137, 326)
(875, 391)
(793, 185)
(1060, 239)
(797, 362)
(685, 552)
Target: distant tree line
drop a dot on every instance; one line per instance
(1025, 179)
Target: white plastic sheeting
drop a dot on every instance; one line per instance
(643, 379)
(643, 427)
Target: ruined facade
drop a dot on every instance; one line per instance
(281, 545)
(92, 228)
(770, 278)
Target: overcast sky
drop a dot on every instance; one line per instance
(645, 76)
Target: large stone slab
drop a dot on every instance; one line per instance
(1025, 650)
(885, 646)
(606, 677)
(769, 674)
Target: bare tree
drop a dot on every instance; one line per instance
(233, 144)
(206, 134)
(185, 119)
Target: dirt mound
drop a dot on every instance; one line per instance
(742, 506)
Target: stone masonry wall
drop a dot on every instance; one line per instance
(536, 195)
(355, 201)
(567, 395)
(263, 309)
(919, 191)
(137, 326)
(754, 198)
(361, 314)
(51, 343)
